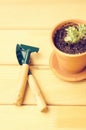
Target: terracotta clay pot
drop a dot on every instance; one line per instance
(69, 63)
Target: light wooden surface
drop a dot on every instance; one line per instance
(31, 22)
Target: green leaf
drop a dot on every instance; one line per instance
(74, 34)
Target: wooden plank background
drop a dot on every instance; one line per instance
(36, 14)
(31, 22)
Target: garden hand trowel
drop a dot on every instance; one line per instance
(23, 55)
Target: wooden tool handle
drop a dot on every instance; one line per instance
(37, 93)
(22, 84)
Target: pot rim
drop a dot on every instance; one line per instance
(59, 25)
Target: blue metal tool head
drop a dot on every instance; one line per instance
(23, 53)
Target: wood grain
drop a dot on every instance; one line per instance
(54, 90)
(38, 14)
(58, 117)
(31, 22)
(39, 38)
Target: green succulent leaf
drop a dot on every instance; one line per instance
(75, 33)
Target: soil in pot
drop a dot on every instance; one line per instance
(58, 38)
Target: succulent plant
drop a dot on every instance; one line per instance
(75, 33)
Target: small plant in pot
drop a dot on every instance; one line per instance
(69, 42)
